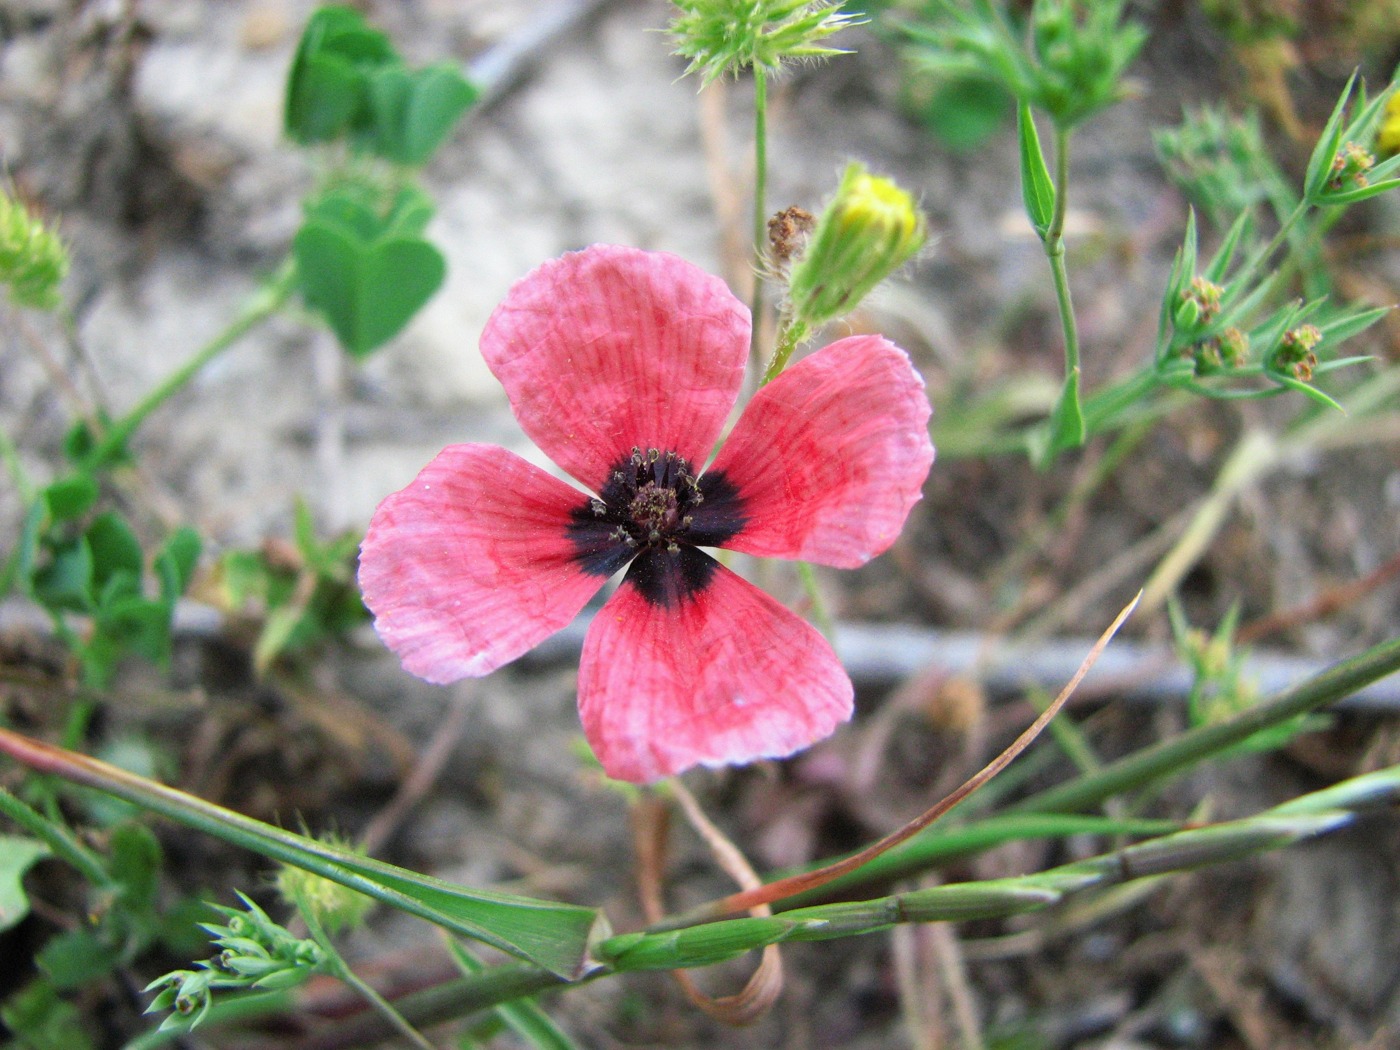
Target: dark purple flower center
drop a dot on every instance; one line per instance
(655, 510)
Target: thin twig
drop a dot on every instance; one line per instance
(419, 781)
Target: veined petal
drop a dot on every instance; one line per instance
(610, 348)
(709, 671)
(829, 457)
(472, 565)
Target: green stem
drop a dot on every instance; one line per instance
(820, 616)
(700, 945)
(58, 838)
(1055, 252)
(341, 969)
(789, 339)
(1186, 751)
(938, 846)
(760, 204)
(265, 302)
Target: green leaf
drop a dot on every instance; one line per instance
(409, 213)
(175, 563)
(1350, 324)
(965, 111)
(75, 957)
(279, 627)
(367, 293)
(116, 553)
(1320, 163)
(70, 497)
(42, 1021)
(135, 624)
(1037, 188)
(327, 84)
(558, 937)
(1360, 193)
(65, 582)
(135, 865)
(1065, 428)
(352, 208)
(415, 111)
(17, 855)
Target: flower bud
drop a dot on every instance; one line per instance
(336, 907)
(33, 261)
(1388, 136)
(870, 228)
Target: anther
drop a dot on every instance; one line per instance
(599, 508)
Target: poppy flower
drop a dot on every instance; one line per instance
(622, 366)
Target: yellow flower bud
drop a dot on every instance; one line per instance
(870, 228)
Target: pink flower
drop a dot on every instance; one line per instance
(622, 366)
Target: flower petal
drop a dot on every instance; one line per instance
(709, 671)
(610, 348)
(471, 565)
(828, 458)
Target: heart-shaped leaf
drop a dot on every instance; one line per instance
(367, 292)
(413, 112)
(326, 87)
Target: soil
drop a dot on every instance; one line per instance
(150, 130)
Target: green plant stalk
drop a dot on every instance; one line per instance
(556, 936)
(1105, 407)
(760, 206)
(819, 614)
(1173, 757)
(58, 838)
(939, 845)
(1055, 252)
(522, 1016)
(338, 967)
(729, 938)
(789, 339)
(261, 305)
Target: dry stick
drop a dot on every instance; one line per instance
(1321, 605)
(419, 781)
(794, 884)
(763, 988)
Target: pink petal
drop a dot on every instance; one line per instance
(723, 674)
(610, 348)
(471, 565)
(829, 457)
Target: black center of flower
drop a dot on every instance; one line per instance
(653, 508)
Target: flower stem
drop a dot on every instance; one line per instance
(789, 338)
(1055, 252)
(760, 204)
(820, 616)
(265, 302)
